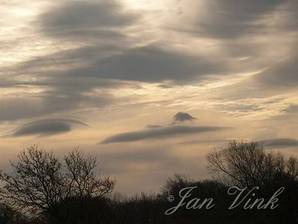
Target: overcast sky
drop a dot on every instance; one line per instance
(149, 87)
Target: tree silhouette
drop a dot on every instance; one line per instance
(39, 180)
(248, 164)
(67, 191)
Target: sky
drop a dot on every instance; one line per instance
(148, 87)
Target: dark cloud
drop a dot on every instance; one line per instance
(68, 77)
(280, 142)
(158, 133)
(152, 64)
(230, 19)
(14, 108)
(103, 66)
(242, 107)
(51, 102)
(292, 109)
(153, 126)
(79, 20)
(182, 117)
(46, 127)
(282, 74)
(202, 141)
(243, 24)
(52, 70)
(60, 91)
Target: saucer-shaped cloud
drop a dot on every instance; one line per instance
(158, 133)
(182, 117)
(280, 142)
(46, 127)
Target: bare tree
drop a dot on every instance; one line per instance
(82, 179)
(248, 164)
(39, 180)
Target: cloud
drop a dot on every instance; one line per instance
(68, 78)
(46, 127)
(81, 20)
(158, 133)
(255, 34)
(227, 19)
(153, 126)
(152, 63)
(280, 142)
(47, 103)
(282, 74)
(204, 141)
(103, 66)
(292, 109)
(182, 117)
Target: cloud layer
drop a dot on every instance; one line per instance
(159, 133)
(85, 20)
(47, 127)
(230, 19)
(280, 142)
(118, 63)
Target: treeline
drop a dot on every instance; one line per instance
(42, 189)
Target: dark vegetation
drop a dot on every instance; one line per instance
(43, 189)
